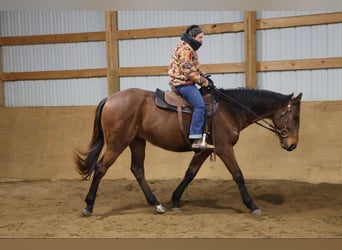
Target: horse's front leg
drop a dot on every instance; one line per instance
(195, 165)
(228, 158)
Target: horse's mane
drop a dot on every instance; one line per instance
(252, 97)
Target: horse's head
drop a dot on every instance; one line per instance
(286, 121)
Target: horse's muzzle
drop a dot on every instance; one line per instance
(289, 143)
(291, 147)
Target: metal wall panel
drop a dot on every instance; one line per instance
(275, 44)
(145, 52)
(53, 57)
(318, 41)
(273, 14)
(25, 23)
(157, 51)
(55, 92)
(316, 85)
(300, 42)
(162, 82)
(157, 19)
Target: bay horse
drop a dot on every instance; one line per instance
(130, 117)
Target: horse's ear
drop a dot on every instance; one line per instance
(298, 97)
(290, 96)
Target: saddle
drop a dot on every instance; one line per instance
(171, 100)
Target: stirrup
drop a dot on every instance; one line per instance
(202, 144)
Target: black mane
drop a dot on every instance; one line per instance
(252, 97)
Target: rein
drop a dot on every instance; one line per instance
(282, 132)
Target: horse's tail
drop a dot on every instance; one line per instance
(86, 160)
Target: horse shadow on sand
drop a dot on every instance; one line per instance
(196, 206)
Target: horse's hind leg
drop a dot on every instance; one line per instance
(137, 167)
(101, 168)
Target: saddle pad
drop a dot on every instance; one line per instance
(160, 101)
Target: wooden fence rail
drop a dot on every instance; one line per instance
(267, 23)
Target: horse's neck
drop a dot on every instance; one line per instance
(262, 113)
(257, 113)
(247, 110)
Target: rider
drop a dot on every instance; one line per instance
(185, 74)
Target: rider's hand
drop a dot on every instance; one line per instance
(205, 82)
(210, 83)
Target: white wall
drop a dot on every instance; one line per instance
(301, 43)
(275, 44)
(157, 51)
(53, 57)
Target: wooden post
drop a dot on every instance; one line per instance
(250, 49)
(112, 52)
(1, 82)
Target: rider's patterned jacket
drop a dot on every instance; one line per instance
(184, 66)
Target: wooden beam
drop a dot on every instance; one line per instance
(177, 31)
(1, 81)
(295, 21)
(124, 71)
(49, 75)
(143, 71)
(267, 23)
(223, 28)
(112, 52)
(121, 35)
(250, 49)
(221, 68)
(48, 39)
(284, 65)
(301, 64)
(162, 70)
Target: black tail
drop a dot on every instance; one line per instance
(86, 161)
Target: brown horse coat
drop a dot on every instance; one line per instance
(129, 118)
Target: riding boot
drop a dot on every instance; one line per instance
(201, 144)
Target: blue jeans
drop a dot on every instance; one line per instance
(192, 94)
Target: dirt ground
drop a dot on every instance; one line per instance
(210, 209)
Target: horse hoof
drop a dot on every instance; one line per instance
(256, 212)
(176, 209)
(160, 209)
(86, 212)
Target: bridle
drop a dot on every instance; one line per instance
(284, 132)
